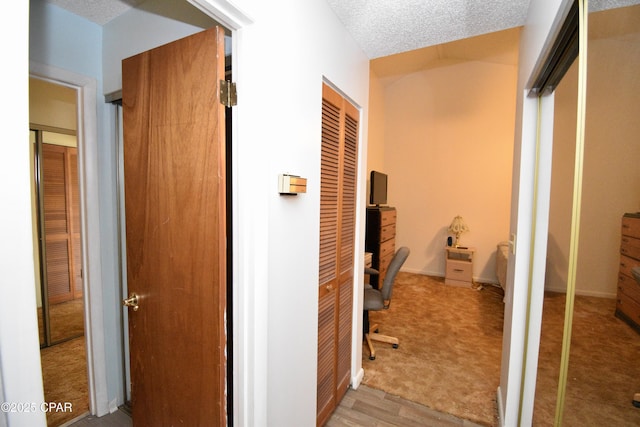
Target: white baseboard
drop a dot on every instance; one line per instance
(500, 408)
(423, 272)
(583, 293)
(485, 280)
(356, 380)
(113, 406)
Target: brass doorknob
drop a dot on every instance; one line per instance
(132, 301)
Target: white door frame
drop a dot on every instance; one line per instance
(86, 89)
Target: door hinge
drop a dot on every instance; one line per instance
(228, 95)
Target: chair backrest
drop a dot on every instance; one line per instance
(394, 267)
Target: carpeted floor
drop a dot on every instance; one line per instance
(66, 320)
(450, 354)
(64, 374)
(450, 347)
(64, 364)
(604, 372)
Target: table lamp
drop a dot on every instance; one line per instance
(457, 227)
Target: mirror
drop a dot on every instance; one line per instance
(603, 368)
(56, 206)
(59, 287)
(602, 373)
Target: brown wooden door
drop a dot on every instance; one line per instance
(174, 162)
(338, 178)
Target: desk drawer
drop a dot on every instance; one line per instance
(628, 286)
(627, 264)
(459, 270)
(387, 217)
(387, 232)
(631, 226)
(629, 308)
(630, 247)
(387, 248)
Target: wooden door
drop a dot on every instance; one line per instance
(174, 164)
(61, 205)
(338, 180)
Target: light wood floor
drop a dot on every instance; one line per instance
(362, 407)
(118, 419)
(370, 407)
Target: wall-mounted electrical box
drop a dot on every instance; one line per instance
(291, 184)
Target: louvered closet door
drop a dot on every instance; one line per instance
(347, 247)
(61, 223)
(337, 236)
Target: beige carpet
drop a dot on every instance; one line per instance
(450, 354)
(64, 374)
(604, 372)
(66, 320)
(64, 364)
(450, 347)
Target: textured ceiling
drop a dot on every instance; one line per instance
(385, 27)
(98, 11)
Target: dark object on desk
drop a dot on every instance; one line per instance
(378, 185)
(380, 299)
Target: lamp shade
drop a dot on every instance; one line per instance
(457, 227)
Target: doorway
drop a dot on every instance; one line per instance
(419, 110)
(58, 261)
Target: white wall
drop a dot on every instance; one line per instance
(282, 58)
(448, 150)
(52, 105)
(377, 117)
(20, 375)
(63, 41)
(139, 30)
(3, 416)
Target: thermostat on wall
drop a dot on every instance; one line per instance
(291, 184)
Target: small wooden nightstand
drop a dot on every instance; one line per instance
(459, 266)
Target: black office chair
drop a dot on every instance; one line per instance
(380, 299)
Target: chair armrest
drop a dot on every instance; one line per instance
(371, 271)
